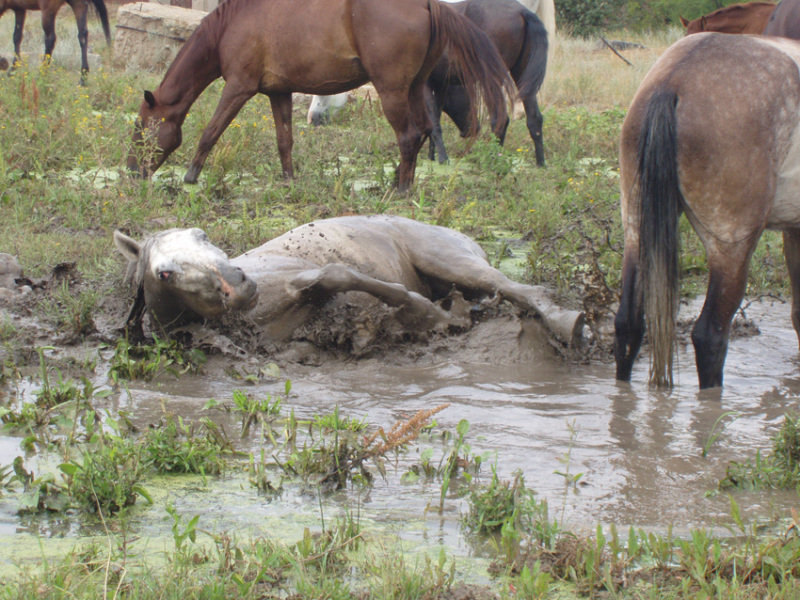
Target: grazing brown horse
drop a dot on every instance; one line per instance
(748, 17)
(522, 41)
(330, 46)
(785, 20)
(49, 10)
(733, 171)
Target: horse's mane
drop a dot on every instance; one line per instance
(734, 8)
(207, 35)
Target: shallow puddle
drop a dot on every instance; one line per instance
(639, 452)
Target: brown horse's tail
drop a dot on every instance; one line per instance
(660, 207)
(532, 62)
(102, 12)
(475, 62)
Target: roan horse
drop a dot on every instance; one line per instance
(748, 17)
(330, 46)
(522, 41)
(49, 10)
(733, 172)
(351, 267)
(785, 20)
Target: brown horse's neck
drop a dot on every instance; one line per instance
(194, 68)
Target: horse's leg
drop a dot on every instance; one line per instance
(629, 320)
(230, 103)
(397, 107)
(282, 114)
(534, 120)
(433, 104)
(49, 28)
(791, 251)
(727, 281)
(338, 278)
(80, 10)
(19, 26)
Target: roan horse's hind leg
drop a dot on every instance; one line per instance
(727, 281)
(791, 251)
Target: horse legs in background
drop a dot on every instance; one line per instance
(282, 114)
(791, 251)
(535, 121)
(727, 281)
(19, 26)
(434, 107)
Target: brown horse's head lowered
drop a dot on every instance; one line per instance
(271, 47)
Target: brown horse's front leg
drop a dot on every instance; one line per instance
(230, 103)
(791, 251)
(282, 114)
(49, 28)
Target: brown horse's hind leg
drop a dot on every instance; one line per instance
(282, 114)
(726, 286)
(230, 103)
(49, 28)
(398, 110)
(791, 251)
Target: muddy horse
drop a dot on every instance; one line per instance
(733, 172)
(271, 47)
(49, 10)
(521, 39)
(747, 17)
(366, 273)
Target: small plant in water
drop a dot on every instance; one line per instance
(493, 506)
(149, 360)
(173, 446)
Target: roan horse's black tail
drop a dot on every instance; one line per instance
(532, 63)
(102, 12)
(660, 206)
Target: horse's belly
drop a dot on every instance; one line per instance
(785, 211)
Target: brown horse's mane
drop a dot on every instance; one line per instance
(734, 8)
(199, 49)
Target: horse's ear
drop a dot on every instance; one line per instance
(149, 98)
(684, 22)
(127, 246)
(703, 24)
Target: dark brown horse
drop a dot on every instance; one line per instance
(330, 46)
(724, 150)
(522, 41)
(748, 17)
(785, 21)
(49, 10)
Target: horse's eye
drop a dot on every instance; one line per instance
(164, 275)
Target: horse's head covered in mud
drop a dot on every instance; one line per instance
(180, 276)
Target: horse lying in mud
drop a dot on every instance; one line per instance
(733, 171)
(363, 273)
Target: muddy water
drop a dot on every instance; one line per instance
(639, 452)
